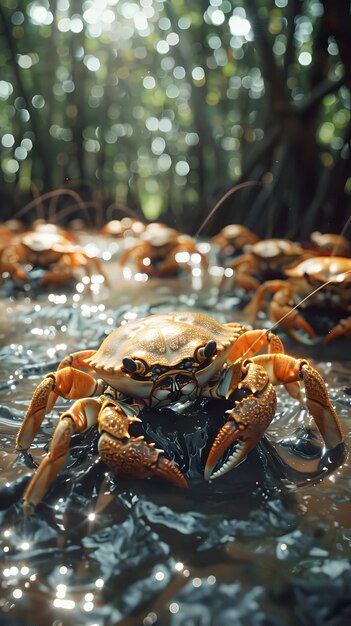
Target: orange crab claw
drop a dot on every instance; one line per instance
(168, 470)
(247, 422)
(134, 458)
(343, 329)
(228, 434)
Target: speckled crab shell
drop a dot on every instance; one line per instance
(275, 248)
(164, 339)
(41, 242)
(323, 269)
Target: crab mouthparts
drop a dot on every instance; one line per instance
(175, 395)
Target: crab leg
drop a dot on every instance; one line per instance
(95, 262)
(343, 329)
(282, 368)
(253, 341)
(243, 276)
(283, 311)
(67, 383)
(57, 276)
(256, 303)
(79, 417)
(77, 359)
(281, 308)
(131, 457)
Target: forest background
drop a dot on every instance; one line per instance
(164, 106)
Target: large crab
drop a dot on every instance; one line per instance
(162, 251)
(49, 249)
(322, 281)
(160, 360)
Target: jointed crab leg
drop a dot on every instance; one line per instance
(131, 457)
(281, 308)
(248, 420)
(77, 359)
(67, 383)
(252, 342)
(82, 415)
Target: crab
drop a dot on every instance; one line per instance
(233, 239)
(160, 360)
(48, 249)
(323, 281)
(330, 243)
(162, 251)
(47, 228)
(126, 227)
(266, 258)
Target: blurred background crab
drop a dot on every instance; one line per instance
(265, 258)
(162, 251)
(330, 244)
(123, 228)
(326, 281)
(232, 240)
(51, 251)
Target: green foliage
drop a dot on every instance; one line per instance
(164, 105)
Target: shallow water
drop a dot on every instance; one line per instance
(262, 545)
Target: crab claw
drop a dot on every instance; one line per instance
(343, 329)
(133, 458)
(246, 424)
(228, 434)
(168, 470)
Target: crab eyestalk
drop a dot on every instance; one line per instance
(205, 352)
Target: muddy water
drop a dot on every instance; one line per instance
(267, 544)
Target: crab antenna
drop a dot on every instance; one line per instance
(293, 309)
(335, 249)
(248, 183)
(119, 206)
(72, 207)
(51, 194)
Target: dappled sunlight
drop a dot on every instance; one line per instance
(174, 100)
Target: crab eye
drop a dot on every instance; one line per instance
(205, 352)
(134, 366)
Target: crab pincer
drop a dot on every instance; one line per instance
(132, 457)
(247, 421)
